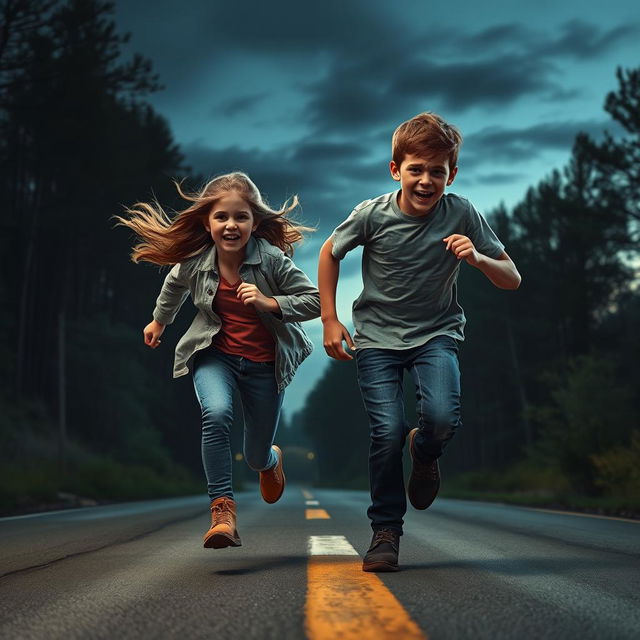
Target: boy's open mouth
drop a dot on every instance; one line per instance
(424, 195)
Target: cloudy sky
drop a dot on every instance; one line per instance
(305, 96)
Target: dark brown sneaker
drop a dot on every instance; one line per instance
(383, 551)
(223, 532)
(272, 480)
(424, 481)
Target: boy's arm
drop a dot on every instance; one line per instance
(501, 270)
(334, 331)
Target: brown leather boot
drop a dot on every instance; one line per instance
(424, 481)
(272, 480)
(223, 532)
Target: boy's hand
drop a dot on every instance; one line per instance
(250, 294)
(462, 248)
(334, 333)
(152, 333)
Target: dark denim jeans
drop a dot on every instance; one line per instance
(436, 374)
(215, 375)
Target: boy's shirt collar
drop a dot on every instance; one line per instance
(395, 204)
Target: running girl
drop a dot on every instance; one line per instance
(231, 252)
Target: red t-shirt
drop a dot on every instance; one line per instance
(242, 333)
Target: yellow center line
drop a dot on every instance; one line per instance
(307, 495)
(345, 602)
(317, 514)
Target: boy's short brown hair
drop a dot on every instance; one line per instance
(426, 134)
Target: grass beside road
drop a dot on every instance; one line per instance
(546, 489)
(91, 480)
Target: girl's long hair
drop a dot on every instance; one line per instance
(167, 241)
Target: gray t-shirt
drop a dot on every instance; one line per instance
(409, 293)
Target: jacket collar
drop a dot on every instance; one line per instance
(208, 259)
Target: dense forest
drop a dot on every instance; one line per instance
(549, 371)
(82, 409)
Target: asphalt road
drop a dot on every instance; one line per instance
(469, 570)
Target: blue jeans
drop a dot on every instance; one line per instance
(436, 373)
(215, 376)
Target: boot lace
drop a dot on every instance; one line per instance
(384, 535)
(222, 513)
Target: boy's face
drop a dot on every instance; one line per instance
(422, 180)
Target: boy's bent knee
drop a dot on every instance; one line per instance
(389, 440)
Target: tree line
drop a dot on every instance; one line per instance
(78, 140)
(549, 372)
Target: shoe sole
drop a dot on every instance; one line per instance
(419, 507)
(221, 541)
(269, 500)
(380, 567)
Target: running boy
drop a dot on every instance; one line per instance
(408, 316)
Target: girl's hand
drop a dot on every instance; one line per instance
(334, 333)
(462, 248)
(152, 333)
(250, 294)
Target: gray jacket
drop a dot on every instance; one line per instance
(274, 273)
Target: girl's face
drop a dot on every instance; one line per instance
(230, 222)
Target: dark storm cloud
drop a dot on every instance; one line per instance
(271, 170)
(498, 178)
(511, 144)
(241, 105)
(494, 67)
(289, 26)
(307, 165)
(461, 86)
(329, 178)
(375, 92)
(510, 34)
(582, 39)
(374, 70)
(577, 38)
(313, 151)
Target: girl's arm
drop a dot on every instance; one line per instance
(298, 297)
(152, 333)
(172, 295)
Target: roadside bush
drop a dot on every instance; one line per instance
(618, 469)
(589, 413)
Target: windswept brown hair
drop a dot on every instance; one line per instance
(424, 135)
(167, 241)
